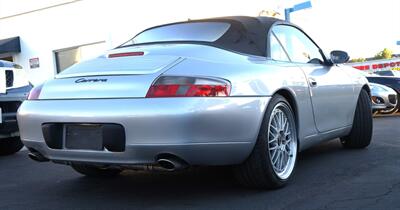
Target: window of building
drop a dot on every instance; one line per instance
(70, 56)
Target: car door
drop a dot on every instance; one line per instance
(305, 113)
(331, 89)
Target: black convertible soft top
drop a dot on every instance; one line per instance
(245, 35)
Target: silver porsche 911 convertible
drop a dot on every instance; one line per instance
(249, 92)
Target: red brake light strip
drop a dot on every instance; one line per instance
(125, 54)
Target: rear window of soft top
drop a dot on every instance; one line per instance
(191, 31)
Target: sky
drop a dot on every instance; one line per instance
(362, 28)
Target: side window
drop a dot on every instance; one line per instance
(277, 52)
(298, 46)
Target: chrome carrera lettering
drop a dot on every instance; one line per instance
(83, 80)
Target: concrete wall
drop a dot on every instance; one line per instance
(41, 32)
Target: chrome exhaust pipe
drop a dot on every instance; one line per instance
(146, 167)
(171, 164)
(167, 164)
(37, 157)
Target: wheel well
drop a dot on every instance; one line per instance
(292, 102)
(366, 88)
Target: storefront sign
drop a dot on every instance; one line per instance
(34, 63)
(381, 65)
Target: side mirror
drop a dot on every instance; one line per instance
(338, 56)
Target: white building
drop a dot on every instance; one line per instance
(54, 34)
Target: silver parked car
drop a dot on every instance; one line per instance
(250, 92)
(384, 98)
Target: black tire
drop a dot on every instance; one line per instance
(361, 132)
(94, 171)
(258, 170)
(10, 146)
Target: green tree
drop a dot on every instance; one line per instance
(357, 60)
(384, 54)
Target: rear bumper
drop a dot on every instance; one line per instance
(224, 153)
(201, 131)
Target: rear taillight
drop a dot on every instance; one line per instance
(35, 92)
(174, 86)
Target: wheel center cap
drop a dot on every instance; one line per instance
(281, 138)
(282, 147)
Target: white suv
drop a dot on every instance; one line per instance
(14, 88)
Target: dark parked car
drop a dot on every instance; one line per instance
(388, 73)
(14, 88)
(390, 81)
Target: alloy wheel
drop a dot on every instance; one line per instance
(282, 140)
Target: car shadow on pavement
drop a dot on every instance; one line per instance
(326, 175)
(56, 186)
(209, 178)
(194, 186)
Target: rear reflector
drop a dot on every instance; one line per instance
(125, 54)
(188, 87)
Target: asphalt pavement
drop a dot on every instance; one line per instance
(327, 177)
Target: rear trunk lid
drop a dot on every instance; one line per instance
(127, 65)
(104, 77)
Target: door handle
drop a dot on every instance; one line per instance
(312, 82)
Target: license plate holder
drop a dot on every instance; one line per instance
(84, 137)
